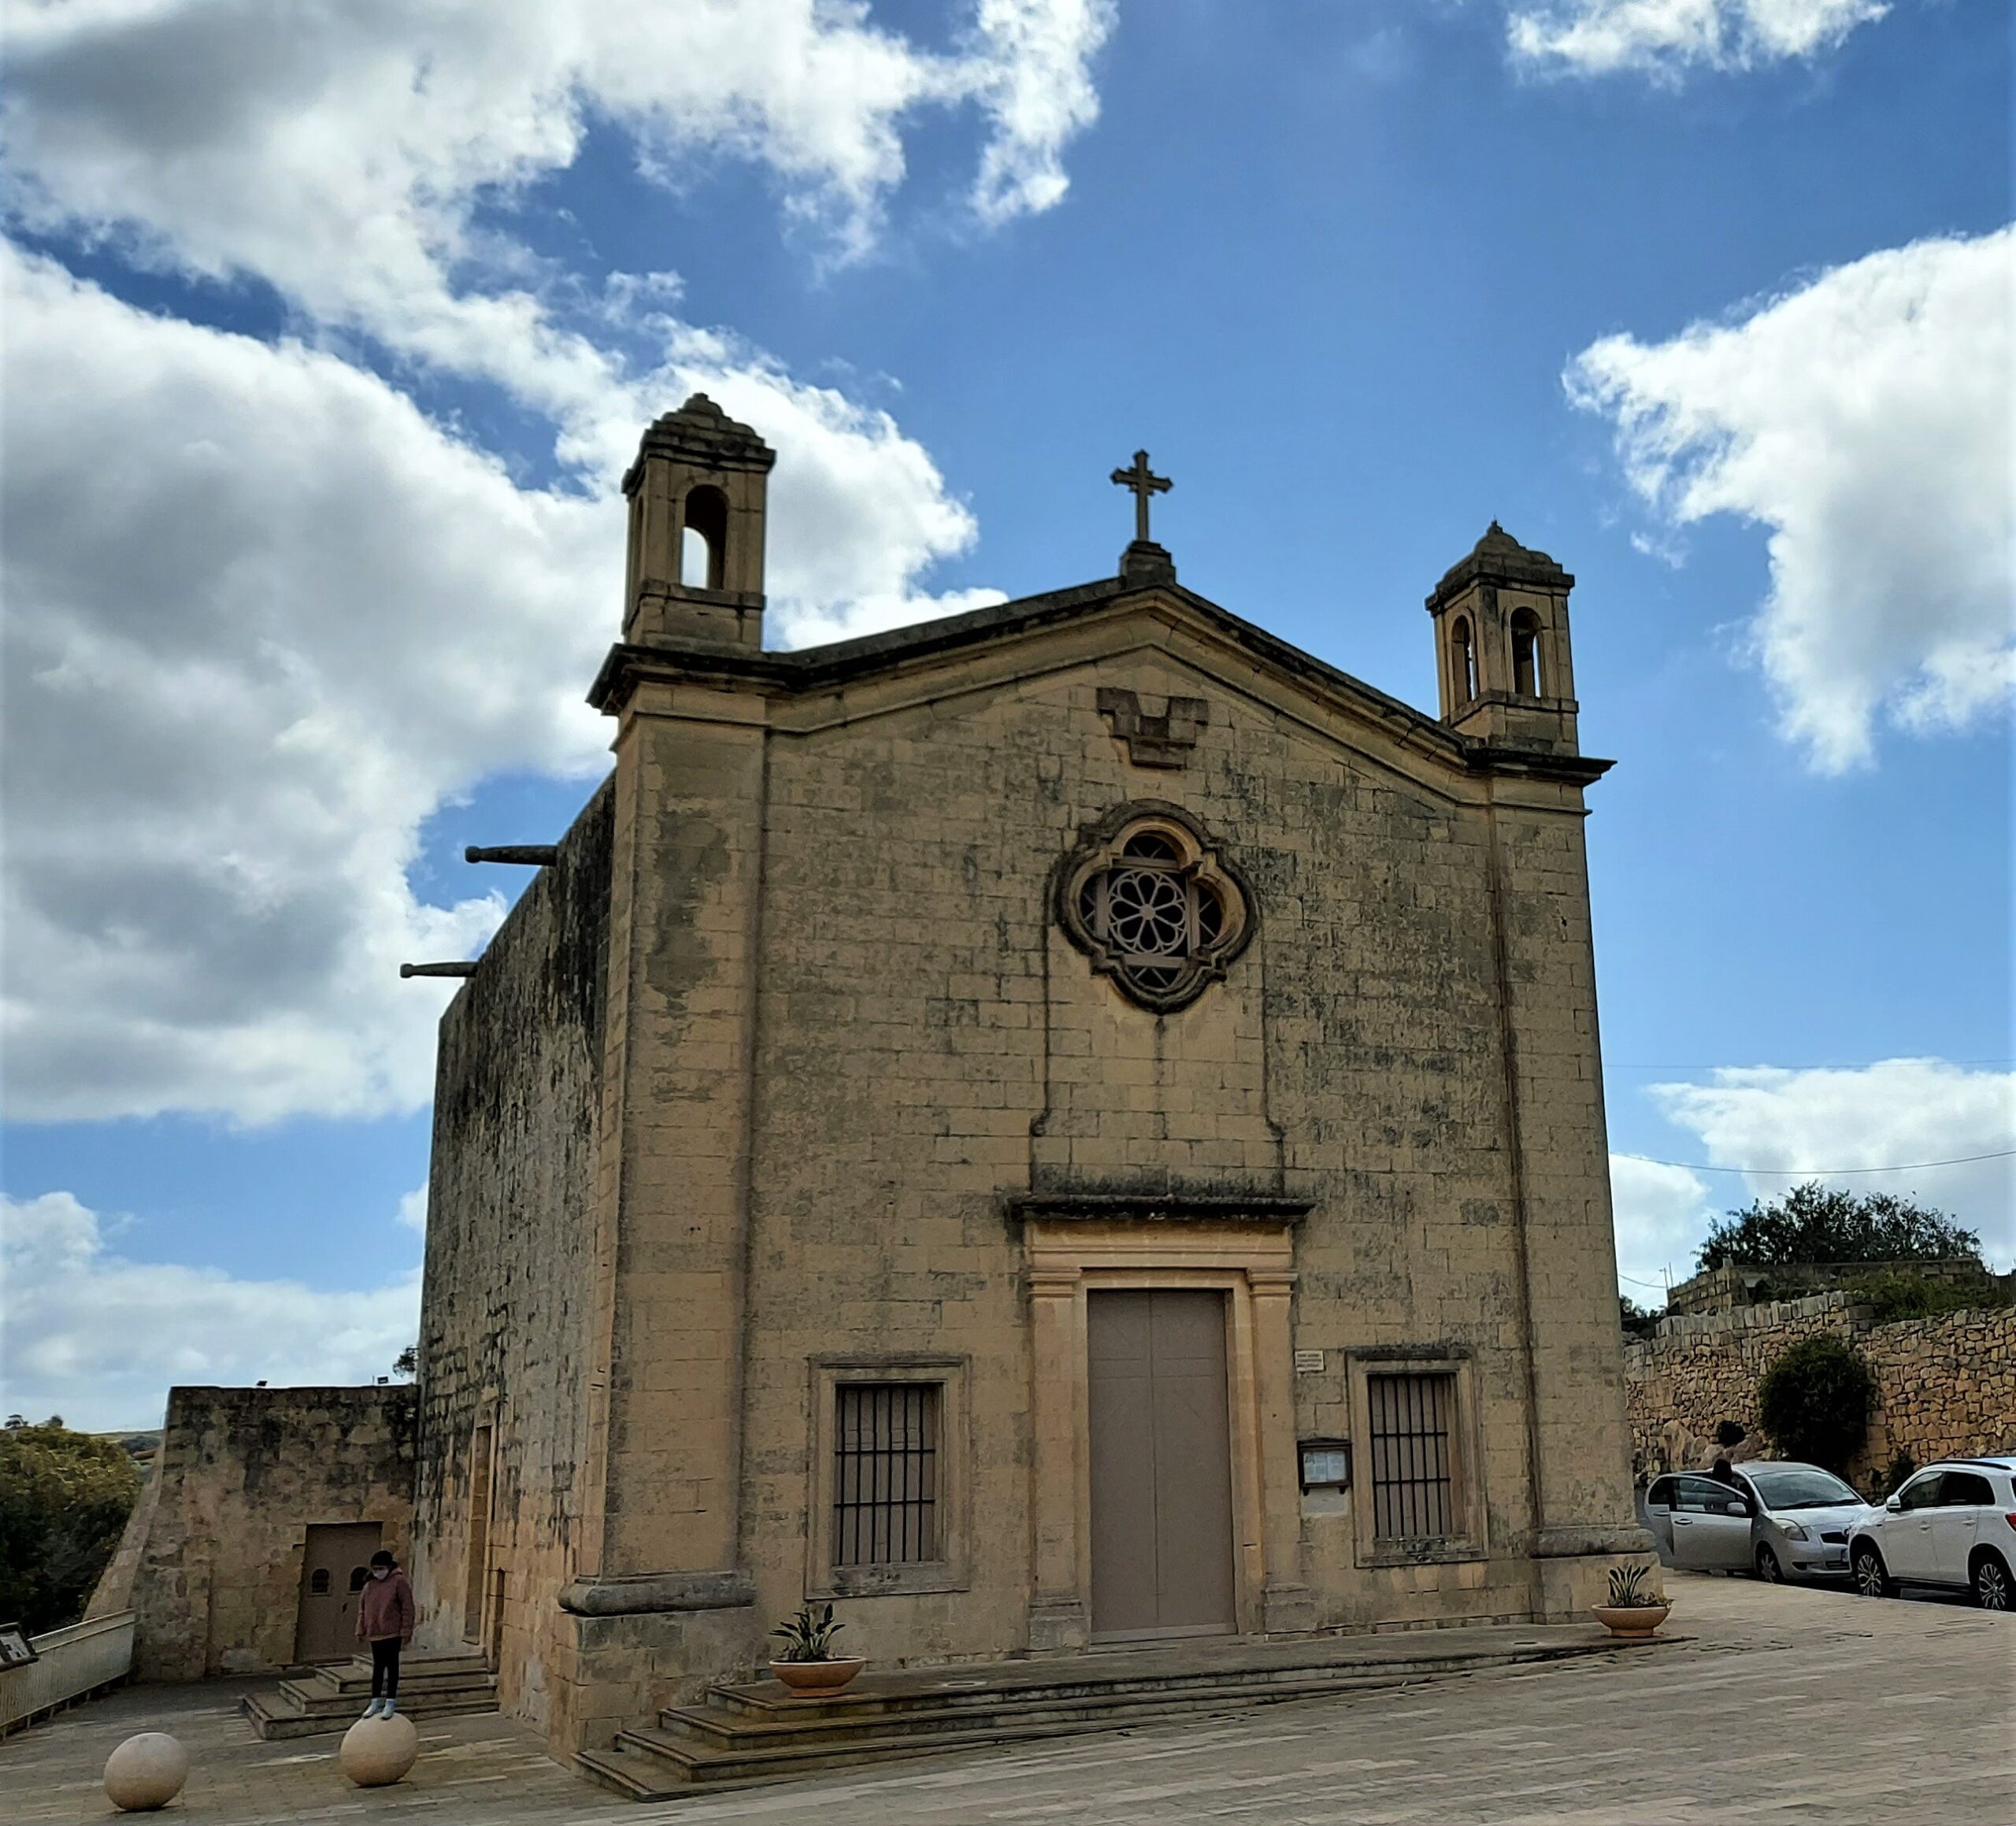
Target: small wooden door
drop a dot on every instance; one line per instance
(334, 1566)
(1161, 1465)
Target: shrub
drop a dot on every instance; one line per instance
(1637, 1323)
(1729, 1433)
(1814, 1401)
(1896, 1296)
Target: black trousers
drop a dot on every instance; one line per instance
(385, 1668)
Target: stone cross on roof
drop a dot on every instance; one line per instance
(1141, 482)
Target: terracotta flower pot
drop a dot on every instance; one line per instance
(816, 1679)
(1631, 1623)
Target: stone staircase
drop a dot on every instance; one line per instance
(333, 1698)
(741, 1735)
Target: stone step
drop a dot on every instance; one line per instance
(333, 1698)
(1099, 1676)
(746, 1735)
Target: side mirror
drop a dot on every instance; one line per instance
(1737, 1506)
(1895, 1505)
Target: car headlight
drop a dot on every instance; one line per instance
(1792, 1531)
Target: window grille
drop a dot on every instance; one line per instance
(318, 1582)
(885, 1474)
(1413, 1480)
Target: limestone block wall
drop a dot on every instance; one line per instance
(215, 1562)
(1945, 1385)
(928, 1043)
(503, 1344)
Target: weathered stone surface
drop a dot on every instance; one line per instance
(1945, 1386)
(146, 1771)
(211, 1559)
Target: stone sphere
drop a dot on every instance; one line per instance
(146, 1771)
(378, 1751)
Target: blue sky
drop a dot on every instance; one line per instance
(321, 380)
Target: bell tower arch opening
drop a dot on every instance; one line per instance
(703, 538)
(1527, 676)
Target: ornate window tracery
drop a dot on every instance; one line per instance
(1153, 905)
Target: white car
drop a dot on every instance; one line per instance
(1953, 1525)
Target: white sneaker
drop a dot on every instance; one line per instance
(391, 1706)
(371, 1711)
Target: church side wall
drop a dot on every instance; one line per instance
(504, 1343)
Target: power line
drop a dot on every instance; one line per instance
(1827, 1172)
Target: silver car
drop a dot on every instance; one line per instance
(1776, 1519)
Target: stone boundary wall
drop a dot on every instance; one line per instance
(1945, 1386)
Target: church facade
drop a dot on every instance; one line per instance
(1070, 1123)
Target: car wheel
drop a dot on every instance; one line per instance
(1871, 1579)
(1768, 1568)
(1991, 1583)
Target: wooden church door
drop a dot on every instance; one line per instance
(1161, 1464)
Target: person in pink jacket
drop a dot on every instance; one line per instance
(386, 1614)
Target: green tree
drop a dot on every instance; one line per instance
(1816, 1223)
(63, 1498)
(1813, 1401)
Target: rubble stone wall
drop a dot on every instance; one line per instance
(1944, 1385)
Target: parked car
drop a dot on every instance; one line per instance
(1953, 1526)
(1775, 1518)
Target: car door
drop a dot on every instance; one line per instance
(1964, 1497)
(1659, 1515)
(1907, 1531)
(1710, 1526)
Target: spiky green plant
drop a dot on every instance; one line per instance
(807, 1636)
(1627, 1589)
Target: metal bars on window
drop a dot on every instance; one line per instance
(885, 1474)
(1412, 1460)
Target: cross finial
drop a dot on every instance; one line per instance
(1141, 481)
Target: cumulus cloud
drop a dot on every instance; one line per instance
(341, 154)
(1662, 1214)
(1603, 37)
(1890, 1113)
(1863, 418)
(99, 1338)
(264, 618)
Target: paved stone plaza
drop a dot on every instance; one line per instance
(1764, 1714)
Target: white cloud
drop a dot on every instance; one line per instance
(1662, 1213)
(1864, 418)
(412, 1209)
(264, 616)
(340, 154)
(264, 619)
(1893, 1112)
(1603, 37)
(99, 1339)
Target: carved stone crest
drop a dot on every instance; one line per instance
(1164, 740)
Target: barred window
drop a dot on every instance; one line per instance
(1413, 1480)
(885, 1473)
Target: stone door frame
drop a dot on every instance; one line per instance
(1251, 1264)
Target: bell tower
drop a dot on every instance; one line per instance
(696, 494)
(1502, 660)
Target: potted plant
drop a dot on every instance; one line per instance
(806, 1663)
(1632, 1613)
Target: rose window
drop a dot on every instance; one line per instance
(1154, 908)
